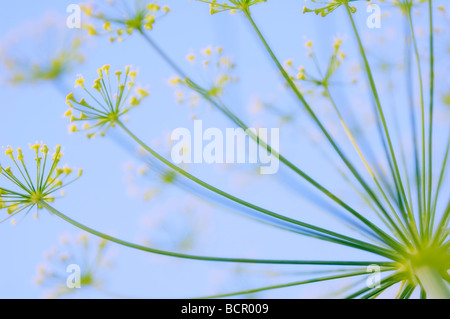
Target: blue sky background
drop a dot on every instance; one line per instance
(101, 199)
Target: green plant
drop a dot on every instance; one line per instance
(409, 234)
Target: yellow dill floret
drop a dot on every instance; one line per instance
(87, 9)
(73, 128)
(9, 152)
(70, 97)
(35, 147)
(90, 29)
(20, 156)
(44, 149)
(301, 73)
(79, 82)
(134, 101)
(207, 51)
(232, 6)
(68, 113)
(190, 57)
(106, 68)
(107, 26)
(67, 170)
(153, 7)
(143, 93)
(174, 80)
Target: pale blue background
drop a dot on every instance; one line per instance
(99, 199)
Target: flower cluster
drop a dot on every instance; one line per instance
(329, 7)
(122, 21)
(233, 6)
(336, 59)
(105, 110)
(218, 69)
(33, 186)
(44, 53)
(88, 254)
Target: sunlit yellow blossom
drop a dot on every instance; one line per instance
(326, 7)
(21, 191)
(232, 5)
(95, 118)
(118, 21)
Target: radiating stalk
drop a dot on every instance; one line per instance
(193, 257)
(423, 216)
(326, 133)
(292, 284)
(317, 232)
(282, 159)
(430, 133)
(397, 176)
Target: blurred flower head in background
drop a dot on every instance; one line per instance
(120, 18)
(91, 255)
(40, 51)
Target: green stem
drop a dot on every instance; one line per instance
(430, 133)
(203, 258)
(318, 232)
(290, 165)
(292, 284)
(397, 175)
(424, 213)
(338, 150)
(433, 283)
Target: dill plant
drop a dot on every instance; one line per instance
(407, 229)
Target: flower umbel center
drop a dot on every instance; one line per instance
(36, 197)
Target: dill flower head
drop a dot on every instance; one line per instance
(40, 51)
(89, 254)
(119, 19)
(334, 62)
(233, 6)
(105, 106)
(327, 7)
(30, 187)
(217, 68)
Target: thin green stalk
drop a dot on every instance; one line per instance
(358, 150)
(439, 237)
(410, 96)
(261, 143)
(384, 284)
(397, 176)
(292, 284)
(203, 258)
(423, 217)
(440, 181)
(430, 133)
(407, 291)
(323, 129)
(325, 233)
